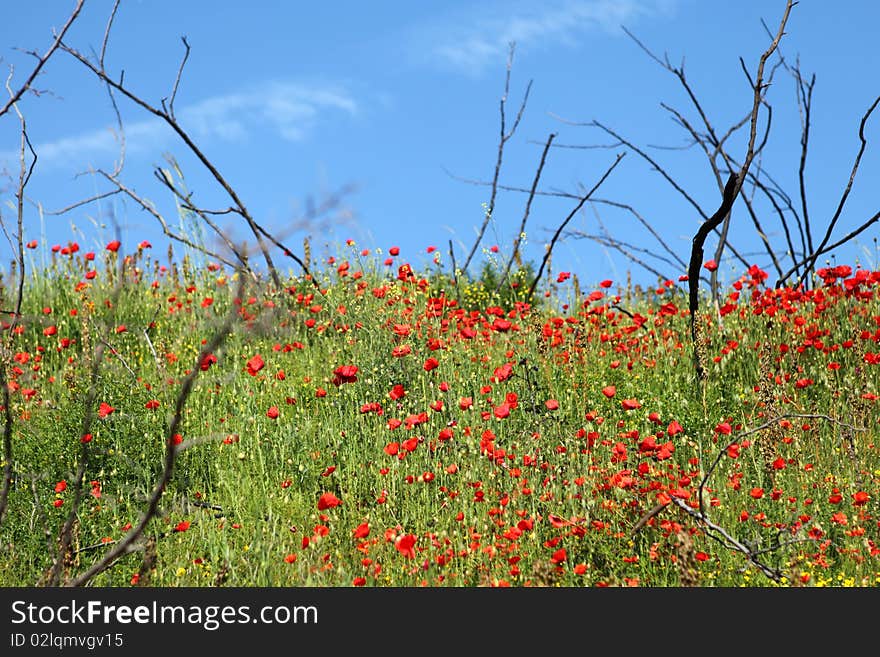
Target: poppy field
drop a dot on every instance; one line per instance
(381, 423)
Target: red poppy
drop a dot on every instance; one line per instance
(430, 364)
(674, 428)
(328, 501)
(710, 265)
(182, 526)
(61, 486)
(609, 391)
(290, 558)
(345, 374)
(207, 361)
(255, 364)
(551, 404)
(397, 392)
(359, 581)
(860, 498)
(757, 493)
(558, 556)
(272, 412)
(723, 428)
(630, 404)
(113, 246)
(394, 251)
(502, 411)
(105, 409)
(152, 404)
(405, 544)
(362, 530)
(405, 273)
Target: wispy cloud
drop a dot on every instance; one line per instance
(478, 41)
(290, 110)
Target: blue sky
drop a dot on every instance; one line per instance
(400, 101)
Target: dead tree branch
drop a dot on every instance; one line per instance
(562, 226)
(171, 451)
(165, 115)
(505, 137)
(810, 262)
(150, 208)
(731, 191)
(25, 171)
(522, 228)
(41, 60)
(700, 514)
(54, 574)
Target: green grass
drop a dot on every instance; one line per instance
(546, 478)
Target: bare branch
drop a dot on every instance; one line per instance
(571, 214)
(654, 164)
(78, 204)
(522, 227)
(146, 205)
(15, 96)
(106, 40)
(119, 86)
(505, 137)
(65, 537)
(187, 204)
(811, 261)
(170, 107)
(171, 451)
(607, 239)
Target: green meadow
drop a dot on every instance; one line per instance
(168, 422)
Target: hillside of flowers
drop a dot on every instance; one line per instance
(380, 423)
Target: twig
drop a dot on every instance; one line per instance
(571, 214)
(505, 137)
(811, 260)
(170, 107)
(15, 96)
(77, 204)
(171, 450)
(24, 177)
(522, 227)
(165, 116)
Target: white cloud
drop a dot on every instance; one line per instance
(481, 41)
(291, 110)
